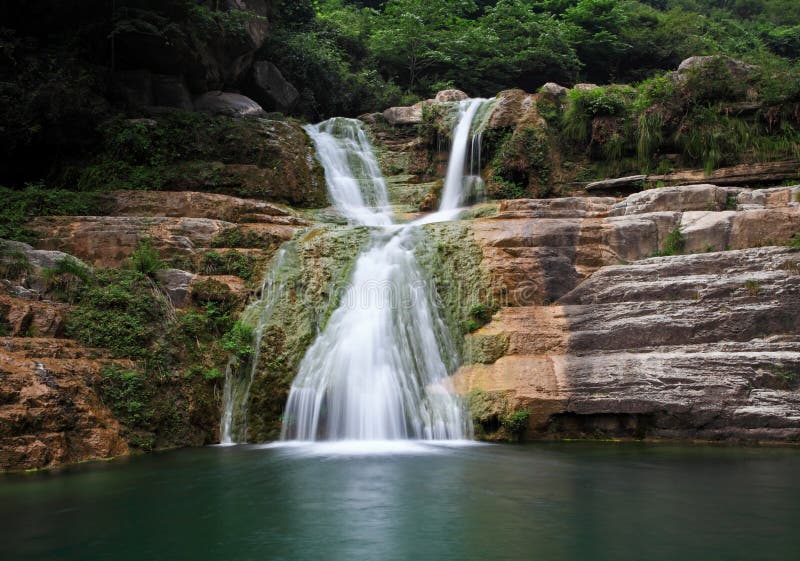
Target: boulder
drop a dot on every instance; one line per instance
(270, 88)
(513, 108)
(228, 104)
(371, 118)
(446, 96)
(585, 87)
(37, 258)
(175, 283)
(738, 69)
(171, 91)
(404, 115)
(554, 89)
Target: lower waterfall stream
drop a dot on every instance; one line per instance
(379, 368)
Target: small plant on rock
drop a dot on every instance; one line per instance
(752, 287)
(66, 278)
(515, 422)
(674, 244)
(145, 259)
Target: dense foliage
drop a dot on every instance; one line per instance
(351, 56)
(60, 63)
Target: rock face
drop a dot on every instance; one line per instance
(597, 338)
(228, 104)
(743, 174)
(207, 60)
(49, 413)
(171, 91)
(270, 88)
(449, 96)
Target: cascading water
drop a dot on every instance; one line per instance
(235, 397)
(354, 179)
(378, 370)
(463, 181)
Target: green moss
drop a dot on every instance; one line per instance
(20, 206)
(485, 348)
(191, 151)
(521, 164)
(495, 418)
(516, 422)
(452, 258)
(307, 288)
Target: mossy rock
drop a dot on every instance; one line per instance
(255, 158)
(314, 275)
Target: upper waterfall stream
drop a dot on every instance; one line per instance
(379, 368)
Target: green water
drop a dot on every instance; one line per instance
(539, 502)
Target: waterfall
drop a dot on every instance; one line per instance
(379, 369)
(463, 180)
(354, 179)
(236, 393)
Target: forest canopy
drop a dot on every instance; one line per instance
(348, 56)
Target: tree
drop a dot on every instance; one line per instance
(412, 35)
(597, 34)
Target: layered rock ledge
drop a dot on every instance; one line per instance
(598, 338)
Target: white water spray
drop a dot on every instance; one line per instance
(354, 179)
(459, 184)
(379, 369)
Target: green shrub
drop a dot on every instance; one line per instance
(516, 422)
(752, 287)
(239, 340)
(127, 395)
(795, 241)
(787, 379)
(585, 105)
(479, 315)
(674, 244)
(713, 140)
(119, 311)
(145, 259)
(228, 263)
(66, 278)
(13, 263)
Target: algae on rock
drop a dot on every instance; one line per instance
(312, 280)
(454, 261)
